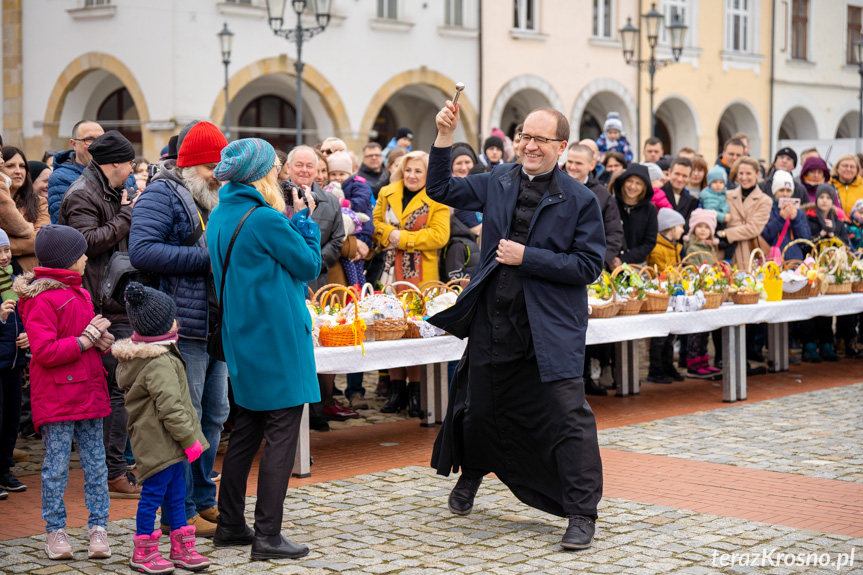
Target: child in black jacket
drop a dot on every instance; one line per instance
(13, 344)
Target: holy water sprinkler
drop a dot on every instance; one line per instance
(458, 89)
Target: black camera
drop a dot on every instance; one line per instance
(288, 185)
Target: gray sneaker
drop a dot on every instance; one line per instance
(57, 545)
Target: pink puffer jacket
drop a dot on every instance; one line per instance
(65, 384)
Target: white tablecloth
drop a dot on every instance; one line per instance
(407, 352)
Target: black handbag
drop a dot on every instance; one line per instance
(215, 349)
(119, 273)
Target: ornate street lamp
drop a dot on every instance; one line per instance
(226, 38)
(630, 37)
(298, 34)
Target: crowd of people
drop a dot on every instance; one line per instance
(127, 326)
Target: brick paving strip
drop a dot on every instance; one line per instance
(690, 491)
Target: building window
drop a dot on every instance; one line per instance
(672, 9)
(239, 1)
(88, 3)
(855, 15)
(525, 15)
(602, 19)
(454, 12)
(118, 112)
(799, 28)
(388, 9)
(276, 115)
(739, 33)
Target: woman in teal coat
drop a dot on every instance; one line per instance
(267, 338)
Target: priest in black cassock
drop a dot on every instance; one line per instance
(517, 405)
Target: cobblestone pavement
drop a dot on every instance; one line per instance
(819, 434)
(397, 522)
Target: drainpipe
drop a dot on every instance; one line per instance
(480, 78)
(638, 90)
(772, 80)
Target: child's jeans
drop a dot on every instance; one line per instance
(10, 414)
(55, 471)
(166, 488)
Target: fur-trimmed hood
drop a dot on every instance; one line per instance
(126, 350)
(28, 285)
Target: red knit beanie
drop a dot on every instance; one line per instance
(202, 145)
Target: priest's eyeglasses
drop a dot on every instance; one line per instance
(538, 139)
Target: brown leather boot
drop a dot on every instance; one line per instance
(122, 488)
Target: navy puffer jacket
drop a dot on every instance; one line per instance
(358, 192)
(66, 171)
(164, 217)
(11, 356)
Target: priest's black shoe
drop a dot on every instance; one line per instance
(461, 497)
(233, 535)
(276, 547)
(579, 534)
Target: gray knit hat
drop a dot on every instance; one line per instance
(59, 246)
(150, 311)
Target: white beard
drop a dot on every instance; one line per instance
(204, 191)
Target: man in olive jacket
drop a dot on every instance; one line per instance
(97, 206)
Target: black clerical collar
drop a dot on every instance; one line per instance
(540, 178)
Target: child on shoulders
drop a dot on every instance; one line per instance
(613, 139)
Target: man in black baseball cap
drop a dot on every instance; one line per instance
(785, 159)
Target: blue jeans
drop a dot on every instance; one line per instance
(167, 488)
(355, 385)
(55, 471)
(208, 386)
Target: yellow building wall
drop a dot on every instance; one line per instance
(714, 84)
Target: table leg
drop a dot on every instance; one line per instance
(777, 345)
(626, 367)
(433, 393)
(302, 458)
(734, 363)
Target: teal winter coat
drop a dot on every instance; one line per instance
(266, 328)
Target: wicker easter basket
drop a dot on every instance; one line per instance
(628, 305)
(342, 335)
(608, 309)
(653, 302)
(713, 300)
(458, 284)
(802, 293)
(746, 298)
(834, 258)
(389, 329)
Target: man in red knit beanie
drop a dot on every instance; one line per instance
(168, 237)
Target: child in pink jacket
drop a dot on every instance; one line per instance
(69, 393)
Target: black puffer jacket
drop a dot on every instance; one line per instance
(610, 217)
(640, 226)
(92, 207)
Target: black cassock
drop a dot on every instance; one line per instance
(538, 438)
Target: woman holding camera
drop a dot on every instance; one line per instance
(267, 339)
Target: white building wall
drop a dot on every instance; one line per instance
(171, 48)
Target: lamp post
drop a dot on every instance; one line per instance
(630, 38)
(226, 37)
(276, 17)
(858, 52)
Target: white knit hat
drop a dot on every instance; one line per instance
(782, 180)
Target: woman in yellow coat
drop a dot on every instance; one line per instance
(847, 181)
(410, 228)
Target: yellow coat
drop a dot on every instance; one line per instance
(427, 241)
(849, 194)
(664, 254)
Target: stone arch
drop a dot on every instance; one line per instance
(77, 71)
(740, 116)
(281, 65)
(848, 126)
(614, 98)
(531, 91)
(797, 124)
(424, 77)
(678, 115)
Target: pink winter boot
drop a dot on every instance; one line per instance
(695, 368)
(183, 553)
(706, 360)
(146, 557)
